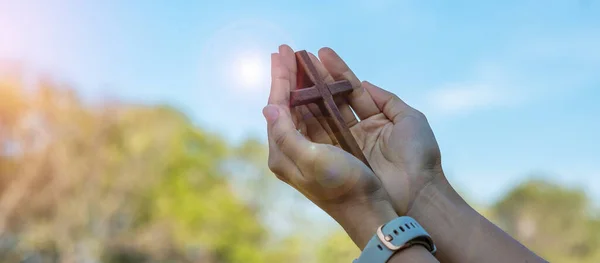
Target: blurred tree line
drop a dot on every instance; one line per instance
(113, 182)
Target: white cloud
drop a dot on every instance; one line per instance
(463, 98)
(531, 69)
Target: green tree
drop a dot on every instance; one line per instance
(128, 183)
(552, 220)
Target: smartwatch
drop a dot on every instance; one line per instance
(394, 236)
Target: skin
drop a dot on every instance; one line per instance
(406, 173)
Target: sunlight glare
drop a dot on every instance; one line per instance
(237, 58)
(250, 71)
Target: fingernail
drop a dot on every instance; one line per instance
(328, 49)
(367, 83)
(271, 113)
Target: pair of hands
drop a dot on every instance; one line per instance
(395, 138)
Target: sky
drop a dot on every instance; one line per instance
(510, 88)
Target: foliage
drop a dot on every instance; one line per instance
(552, 220)
(81, 182)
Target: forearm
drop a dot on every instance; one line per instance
(461, 233)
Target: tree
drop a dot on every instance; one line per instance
(117, 181)
(552, 220)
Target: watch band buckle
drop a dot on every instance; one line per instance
(386, 240)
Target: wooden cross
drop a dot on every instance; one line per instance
(322, 93)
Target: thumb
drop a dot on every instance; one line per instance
(283, 134)
(388, 103)
(271, 113)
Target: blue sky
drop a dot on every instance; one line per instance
(510, 88)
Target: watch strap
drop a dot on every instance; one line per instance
(396, 235)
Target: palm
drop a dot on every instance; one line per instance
(400, 153)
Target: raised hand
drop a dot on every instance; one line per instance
(395, 138)
(333, 179)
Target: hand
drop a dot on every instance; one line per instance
(333, 179)
(395, 138)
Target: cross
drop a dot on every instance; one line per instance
(323, 93)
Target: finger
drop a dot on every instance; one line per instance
(326, 134)
(390, 104)
(320, 130)
(280, 82)
(281, 127)
(342, 104)
(314, 129)
(284, 136)
(316, 122)
(281, 165)
(361, 102)
(288, 60)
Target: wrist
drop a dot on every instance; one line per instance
(436, 200)
(361, 220)
(430, 197)
(394, 238)
(443, 213)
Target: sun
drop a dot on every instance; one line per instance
(237, 55)
(250, 71)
